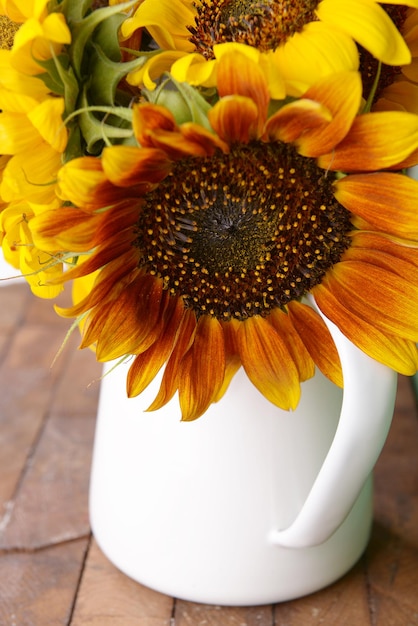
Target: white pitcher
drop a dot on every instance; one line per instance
(248, 504)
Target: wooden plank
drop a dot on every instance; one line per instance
(51, 504)
(392, 556)
(109, 598)
(37, 589)
(47, 417)
(13, 301)
(27, 386)
(193, 614)
(345, 603)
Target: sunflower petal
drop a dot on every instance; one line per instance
(147, 364)
(317, 51)
(369, 25)
(268, 362)
(170, 379)
(165, 20)
(202, 369)
(378, 296)
(235, 118)
(323, 117)
(387, 201)
(283, 325)
(395, 352)
(124, 166)
(239, 74)
(370, 145)
(134, 321)
(317, 340)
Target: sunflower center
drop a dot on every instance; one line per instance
(238, 234)
(369, 64)
(8, 30)
(263, 24)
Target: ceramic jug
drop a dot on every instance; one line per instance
(248, 504)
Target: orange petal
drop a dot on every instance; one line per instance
(240, 75)
(387, 201)
(395, 352)
(125, 166)
(133, 321)
(170, 380)
(149, 117)
(397, 255)
(202, 369)
(147, 364)
(235, 118)
(317, 340)
(296, 118)
(268, 363)
(232, 359)
(377, 295)
(323, 117)
(283, 325)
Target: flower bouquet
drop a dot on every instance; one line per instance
(221, 182)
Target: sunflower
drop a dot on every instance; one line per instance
(397, 87)
(300, 41)
(207, 240)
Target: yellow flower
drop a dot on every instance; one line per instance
(301, 40)
(40, 36)
(207, 240)
(39, 268)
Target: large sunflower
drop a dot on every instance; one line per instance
(207, 240)
(300, 40)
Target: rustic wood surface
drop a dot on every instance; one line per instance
(51, 570)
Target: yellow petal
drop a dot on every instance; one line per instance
(368, 24)
(166, 21)
(316, 52)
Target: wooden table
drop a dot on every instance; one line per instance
(51, 570)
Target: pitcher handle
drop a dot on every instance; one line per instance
(366, 415)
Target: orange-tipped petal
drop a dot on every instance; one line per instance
(268, 362)
(395, 352)
(202, 369)
(294, 119)
(387, 201)
(147, 118)
(170, 380)
(125, 166)
(317, 340)
(147, 364)
(283, 324)
(235, 118)
(369, 146)
(238, 74)
(378, 296)
(133, 321)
